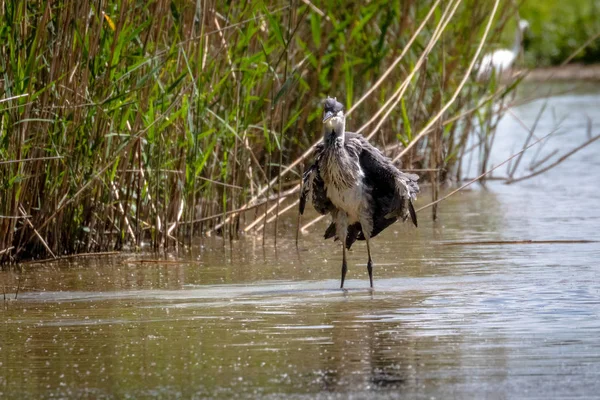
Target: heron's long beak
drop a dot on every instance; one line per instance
(328, 116)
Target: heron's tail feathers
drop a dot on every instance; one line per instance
(330, 231)
(302, 205)
(354, 233)
(408, 185)
(401, 205)
(408, 189)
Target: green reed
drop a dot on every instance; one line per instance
(151, 121)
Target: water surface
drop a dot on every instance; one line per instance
(466, 321)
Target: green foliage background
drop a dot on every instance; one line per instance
(558, 28)
(123, 122)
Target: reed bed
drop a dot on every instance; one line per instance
(145, 123)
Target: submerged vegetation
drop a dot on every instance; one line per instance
(153, 121)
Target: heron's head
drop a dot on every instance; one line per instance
(334, 121)
(523, 25)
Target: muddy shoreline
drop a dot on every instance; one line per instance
(565, 73)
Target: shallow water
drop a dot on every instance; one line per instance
(462, 321)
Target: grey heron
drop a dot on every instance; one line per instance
(501, 60)
(354, 182)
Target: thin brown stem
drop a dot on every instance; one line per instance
(466, 77)
(482, 175)
(554, 164)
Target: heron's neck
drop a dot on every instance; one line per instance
(333, 137)
(518, 39)
(334, 132)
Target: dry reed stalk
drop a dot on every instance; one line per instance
(5, 251)
(150, 201)
(444, 20)
(71, 256)
(554, 164)
(13, 97)
(422, 170)
(287, 193)
(122, 211)
(398, 95)
(174, 225)
(274, 217)
(226, 46)
(41, 239)
(19, 280)
(311, 223)
(214, 182)
(482, 175)
(282, 123)
(396, 61)
(316, 9)
(435, 156)
(31, 160)
(466, 76)
(567, 60)
(152, 261)
(529, 136)
(539, 163)
(530, 131)
(309, 151)
(268, 210)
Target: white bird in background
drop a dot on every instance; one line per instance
(501, 60)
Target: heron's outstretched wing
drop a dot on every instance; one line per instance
(314, 187)
(307, 179)
(392, 190)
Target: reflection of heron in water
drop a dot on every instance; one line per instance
(355, 183)
(502, 60)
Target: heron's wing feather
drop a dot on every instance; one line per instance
(392, 190)
(320, 201)
(382, 171)
(413, 213)
(313, 186)
(307, 178)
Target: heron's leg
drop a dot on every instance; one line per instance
(344, 264)
(342, 232)
(369, 262)
(366, 223)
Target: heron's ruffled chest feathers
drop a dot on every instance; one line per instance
(343, 176)
(340, 167)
